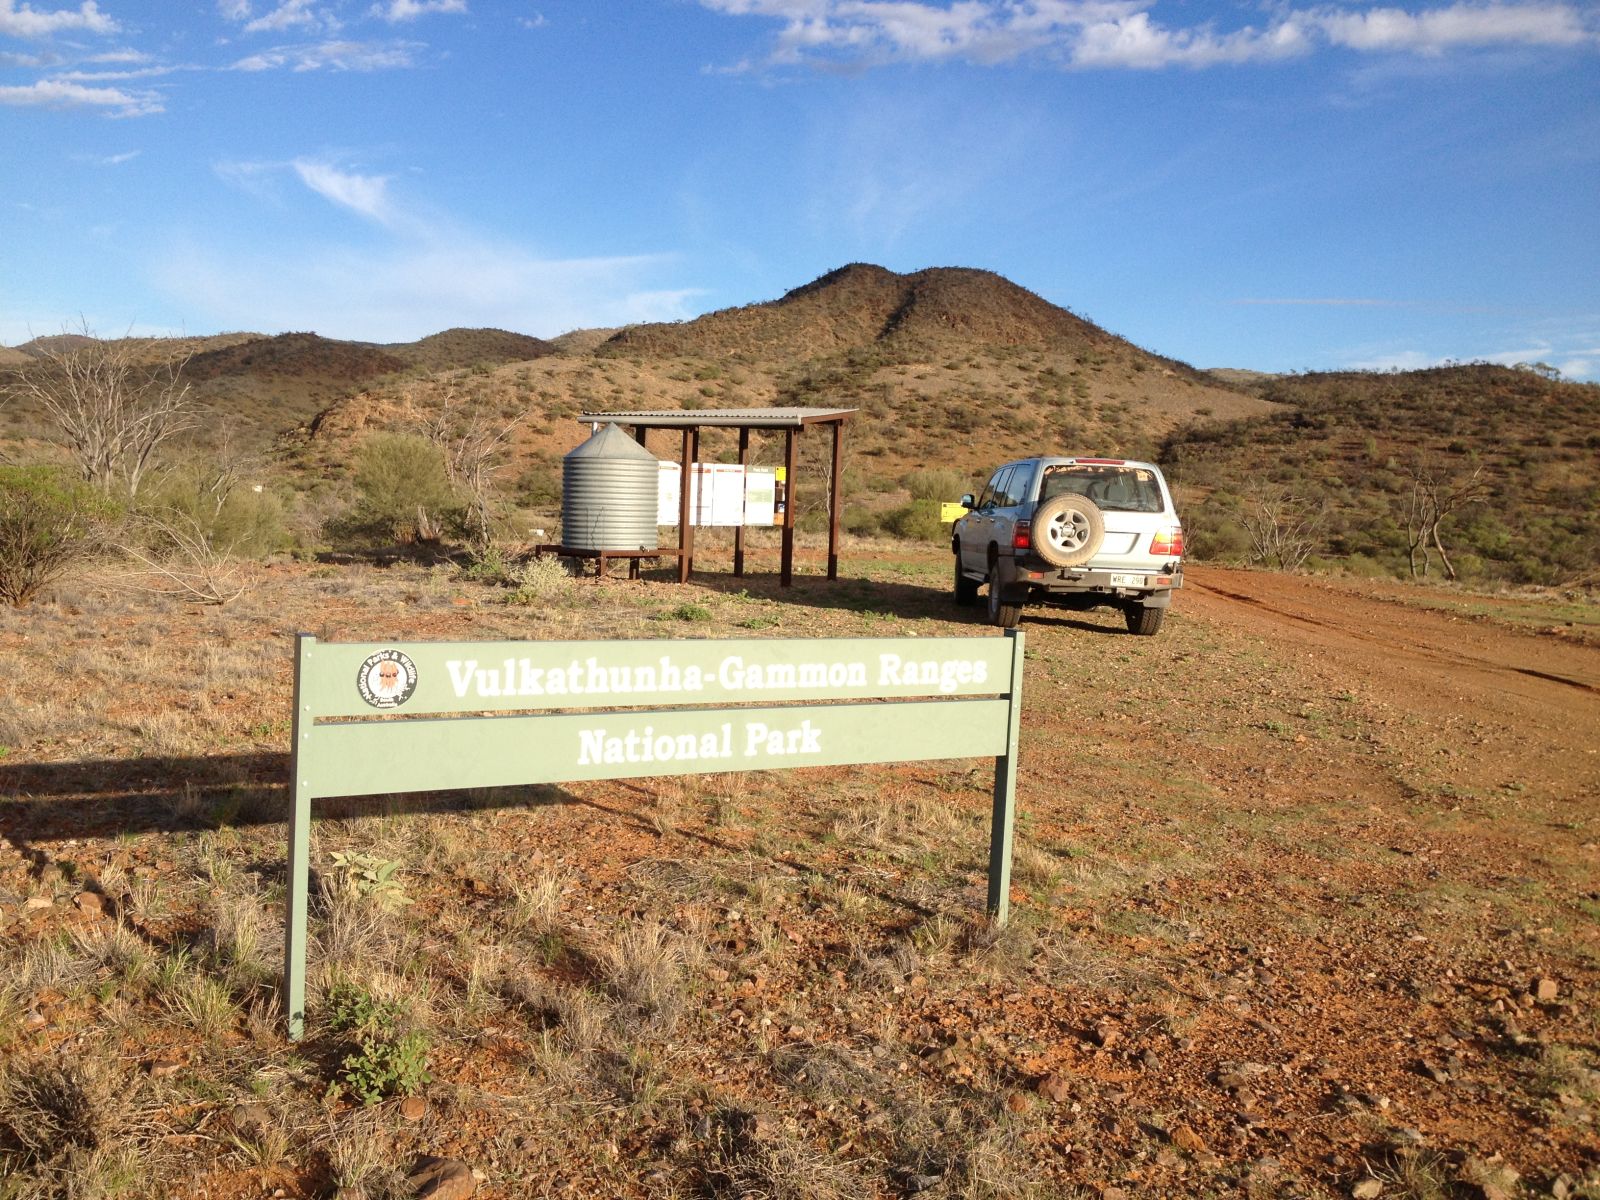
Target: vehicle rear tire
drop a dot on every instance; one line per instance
(966, 590)
(1001, 613)
(1068, 530)
(1143, 620)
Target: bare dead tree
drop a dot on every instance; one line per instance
(115, 403)
(1284, 529)
(1435, 495)
(473, 443)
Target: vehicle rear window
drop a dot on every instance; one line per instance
(1115, 489)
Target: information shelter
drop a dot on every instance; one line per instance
(371, 719)
(792, 421)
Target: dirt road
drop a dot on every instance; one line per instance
(1521, 702)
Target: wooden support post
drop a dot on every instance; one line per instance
(833, 504)
(685, 530)
(738, 530)
(694, 459)
(786, 570)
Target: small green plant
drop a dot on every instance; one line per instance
(384, 1062)
(690, 612)
(369, 875)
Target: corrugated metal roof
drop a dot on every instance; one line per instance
(723, 418)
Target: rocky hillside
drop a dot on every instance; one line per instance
(1347, 451)
(935, 359)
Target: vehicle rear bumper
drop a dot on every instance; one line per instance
(1041, 581)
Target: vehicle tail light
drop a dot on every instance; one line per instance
(1168, 541)
(1022, 535)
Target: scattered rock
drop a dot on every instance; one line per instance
(1113, 1193)
(1487, 1179)
(161, 1068)
(1055, 1086)
(922, 1183)
(413, 1108)
(35, 1019)
(34, 903)
(90, 904)
(1017, 1102)
(1546, 990)
(1367, 1189)
(249, 1119)
(1187, 1139)
(1433, 1071)
(1105, 1035)
(1266, 1167)
(442, 1179)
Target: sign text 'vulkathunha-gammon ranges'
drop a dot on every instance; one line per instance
(372, 719)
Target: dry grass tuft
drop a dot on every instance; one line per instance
(646, 969)
(749, 1156)
(52, 1110)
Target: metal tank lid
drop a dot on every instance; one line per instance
(611, 443)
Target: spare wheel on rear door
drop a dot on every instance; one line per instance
(1068, 530)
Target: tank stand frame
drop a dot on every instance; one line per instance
(602, 557)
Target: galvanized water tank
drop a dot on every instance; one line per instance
(608, 494)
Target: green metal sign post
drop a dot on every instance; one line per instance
(371, 719)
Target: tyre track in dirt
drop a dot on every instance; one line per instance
(1533, 700)
(1445, 656)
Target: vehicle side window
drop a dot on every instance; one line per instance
(1020, 483)
(992, 488)
(1005, 488)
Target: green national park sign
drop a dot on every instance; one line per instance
(429, 716)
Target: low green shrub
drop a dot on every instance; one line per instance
(49, 522)
(917, 521)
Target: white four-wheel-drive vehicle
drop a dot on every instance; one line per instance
(1074, 532)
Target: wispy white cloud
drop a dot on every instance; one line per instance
(119, 56)
(1124, 33)
(1568, 344)
(113, 76)
(365, 195)
(332, 56)
(1433, 31)
(1325, 302)
(416, 273)
(413, 288)
(107, 160)
(24, 21)
(56, 93)
(395, 11)
(291, 14)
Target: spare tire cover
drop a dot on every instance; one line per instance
(1068, 530)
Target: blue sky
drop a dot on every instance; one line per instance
(1282, 185)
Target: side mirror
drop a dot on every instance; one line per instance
(968, 502)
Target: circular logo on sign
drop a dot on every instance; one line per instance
(387, 679)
